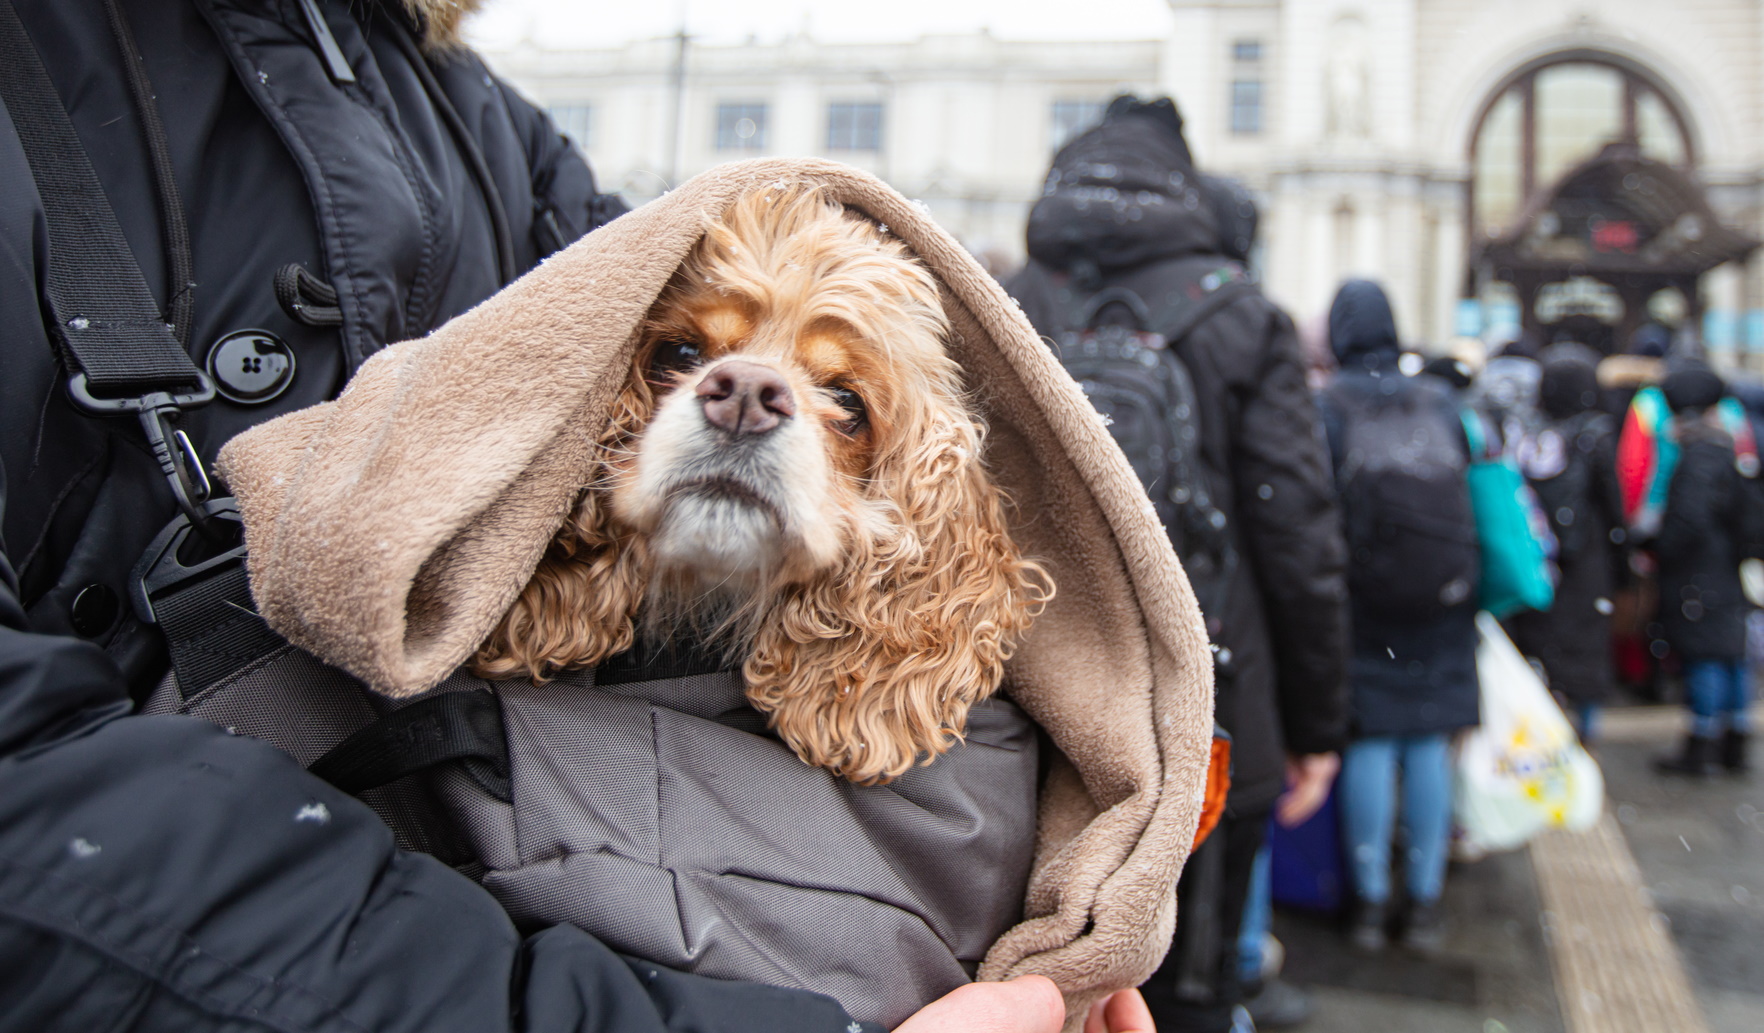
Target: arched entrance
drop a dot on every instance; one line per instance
(1583, 203)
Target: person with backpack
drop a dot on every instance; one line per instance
(1703, 609)
(1571, 463)
(1401, 456)
(212, 213)
(1136, 277)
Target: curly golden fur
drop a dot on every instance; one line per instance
(856, 556)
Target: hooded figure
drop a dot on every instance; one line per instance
(1123, 209)
(1401, 457)
(1703, 608)
(450, 462)
(1571, 462)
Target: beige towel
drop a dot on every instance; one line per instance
(390, 529)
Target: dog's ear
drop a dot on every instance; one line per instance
(578, 608)
(873, 671)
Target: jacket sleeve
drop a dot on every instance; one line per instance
(567, 201)
(160, 874)
(1292, 533)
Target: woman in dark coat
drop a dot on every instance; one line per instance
(1571, 462)
(1412, 675)
(1702, 607)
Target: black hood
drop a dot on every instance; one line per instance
(1234, 211)
(1570, 381)
(1362, 332)
(1123, 193)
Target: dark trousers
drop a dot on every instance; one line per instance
(1198, 984)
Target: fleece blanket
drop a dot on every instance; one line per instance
(389, 530)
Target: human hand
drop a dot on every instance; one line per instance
(1027, 1004)
(1308, 779)
(1120, 1012)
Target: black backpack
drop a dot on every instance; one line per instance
(1559, 467)
(1128, 359)
(1405, 496)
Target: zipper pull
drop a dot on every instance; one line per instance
(335, 62)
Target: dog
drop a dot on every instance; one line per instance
(793, 475)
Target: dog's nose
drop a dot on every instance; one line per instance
(745, 398)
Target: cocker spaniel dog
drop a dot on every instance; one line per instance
(793, 475)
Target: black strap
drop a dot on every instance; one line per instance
(180, 267)
(649, 662)
(107, 325)
(464, 726)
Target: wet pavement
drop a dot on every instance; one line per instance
(1699, 850)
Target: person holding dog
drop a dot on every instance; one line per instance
(216, 211)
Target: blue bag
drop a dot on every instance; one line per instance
(1511, 531)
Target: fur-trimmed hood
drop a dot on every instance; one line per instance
(390, 529)
(441, 20)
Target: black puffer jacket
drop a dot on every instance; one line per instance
(1702, 605)
(1408, 677)
(157, 873)
(1123, 201)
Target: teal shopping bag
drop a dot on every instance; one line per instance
(1510, 529)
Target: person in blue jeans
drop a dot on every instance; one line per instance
(1401, 460)
(1370, 805)
(1703, 536)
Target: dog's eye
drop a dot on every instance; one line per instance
(674, 356)
(857, 415)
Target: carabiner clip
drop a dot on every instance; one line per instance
(177, 458)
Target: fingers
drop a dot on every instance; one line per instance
(1029, 1004)
(1121, 1012)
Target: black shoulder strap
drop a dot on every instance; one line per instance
(1182, 312)
(121, 355)
(107, 323)
(465, 726)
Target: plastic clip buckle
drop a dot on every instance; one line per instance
(161, 570)
(157, 411)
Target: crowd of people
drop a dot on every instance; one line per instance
(1341, 581)
(1327, 534)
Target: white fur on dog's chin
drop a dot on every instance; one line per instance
(699, 536)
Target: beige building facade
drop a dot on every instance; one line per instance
(1419, 142)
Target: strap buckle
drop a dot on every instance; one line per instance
(164, 567)
(158, 410)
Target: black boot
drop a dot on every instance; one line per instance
(1696, 760)
(1424, 929)
(1734, 747)
(1366, 927)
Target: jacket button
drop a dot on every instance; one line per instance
(251, 366)
(95, 610)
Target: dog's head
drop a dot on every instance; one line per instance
(792, 471)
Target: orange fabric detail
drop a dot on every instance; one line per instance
(1218, 785)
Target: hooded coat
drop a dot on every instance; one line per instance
(1703, 606)
(1406, 677)
(158, 873)
(1122, 202)
(1571, 462)
(475, 442)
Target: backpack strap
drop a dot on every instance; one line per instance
(1183, 312)
(120, 354)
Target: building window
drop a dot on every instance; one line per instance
(1552, 117)
(854, 127)
(1071, 117)
(1246, 50)
(741, 127)
(1246, 107)
(575, 121)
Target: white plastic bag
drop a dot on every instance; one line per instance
(1523, 770)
